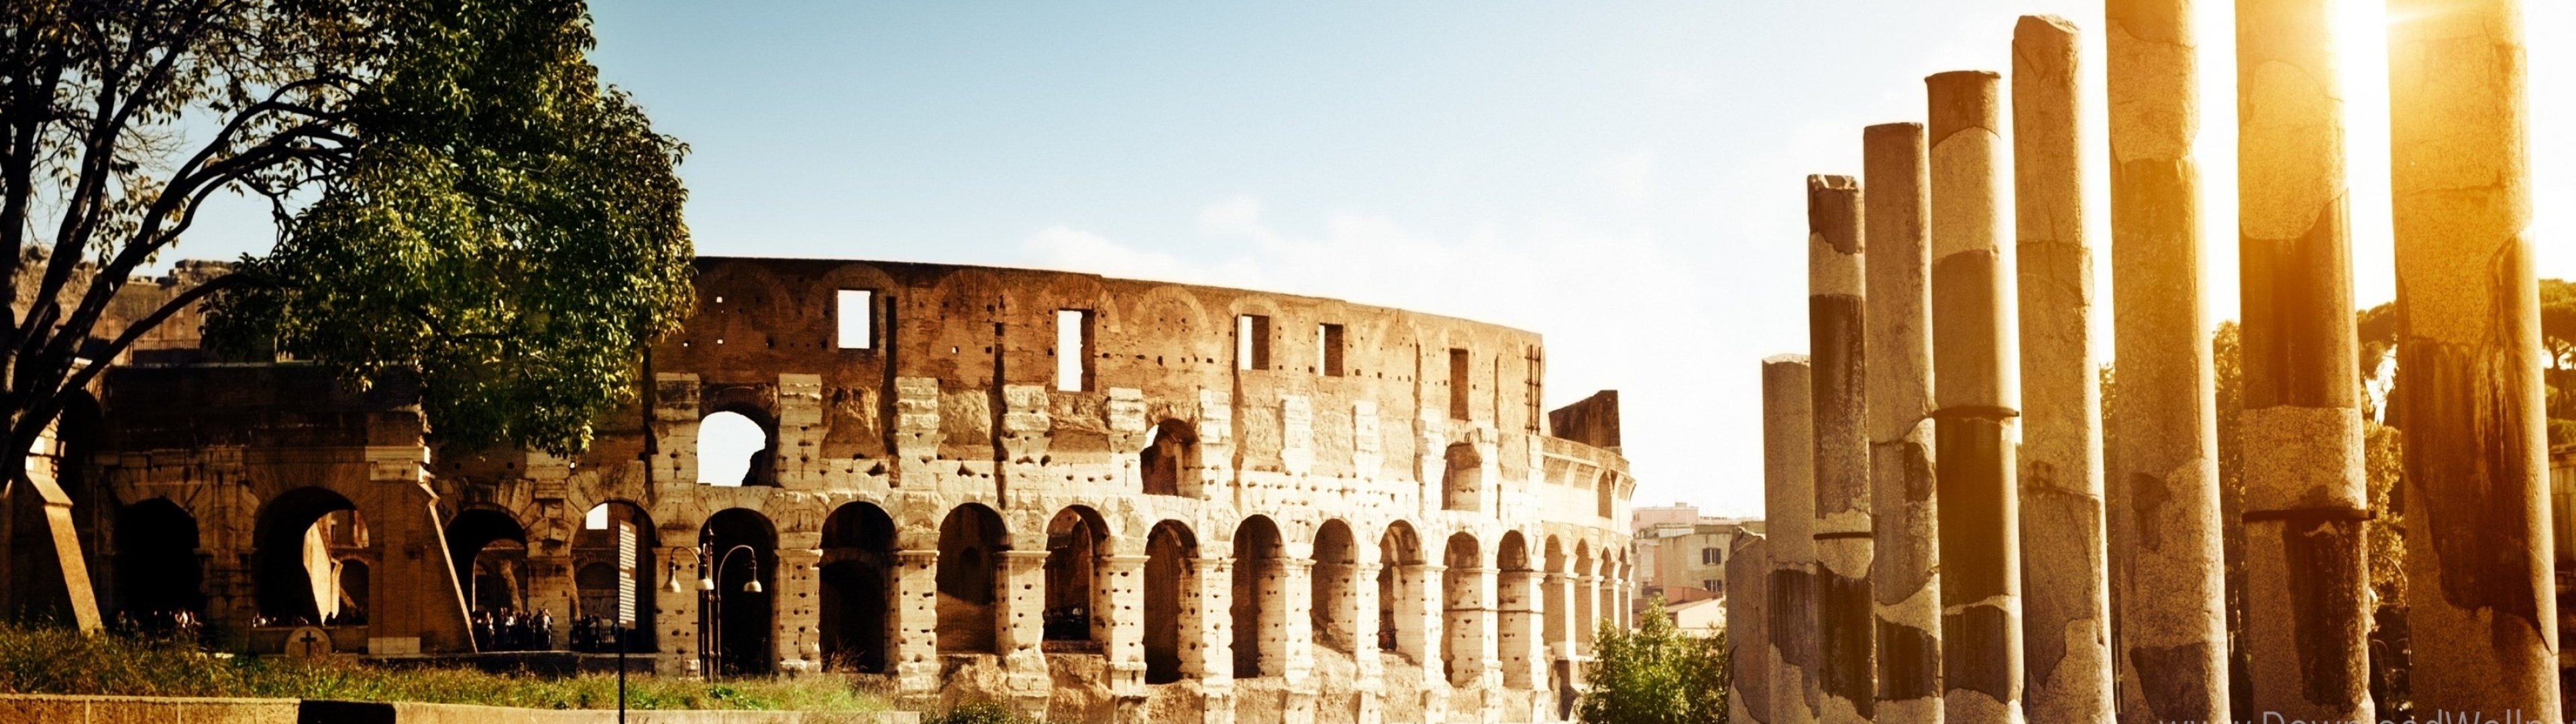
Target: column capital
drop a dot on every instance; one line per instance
(1125, 560)
(913, 557)
(1024, 556)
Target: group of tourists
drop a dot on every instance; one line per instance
(513, 630)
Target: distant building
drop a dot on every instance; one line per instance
(1681, 554)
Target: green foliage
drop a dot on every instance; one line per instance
(46, 660)
(1657, 674)
(508, 228)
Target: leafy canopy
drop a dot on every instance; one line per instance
(1657, 674)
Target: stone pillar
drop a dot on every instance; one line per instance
(1430, 587)
(1904, 574)
(1207, 636)
(1018, 635)
(1587, 598)
(1518, 608)
(916, 623)
(1846, 673)
(1788, 492)
(2479, 592)
(2066, 607)
(797, 637)
(1417, 613)
(2170, 574)
(2306, 601)
(1974, 350)
(1124, 577)
(1368, 677)
(1296, 592)
(1748, 694)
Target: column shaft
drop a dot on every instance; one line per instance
(1905, 577)
(1974, 350)
(1748, 699)
(2306, 602)
(2480, 604)
(1846, 673)
(1517, 615)
(2065, 578)
(2170, 574)
(1788, 483)
(1124, 575)
(916, 613)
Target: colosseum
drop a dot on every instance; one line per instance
(1093, 499)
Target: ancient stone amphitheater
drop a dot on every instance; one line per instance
(1093, 499)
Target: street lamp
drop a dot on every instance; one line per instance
(711, 603)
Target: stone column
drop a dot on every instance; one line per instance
(2306, 601)
(1021, 608)
(1748, 686)
(1789, 501)
(1431, 584)
(1207, 636)
(1417, 612)
(1296, 592)
(1124, 575)
(796, 638)
(1517, 606)
(1974, 350)
(1368, 677)
(1904, 573)
(916, 625)
(1587, 599)
(1471, 628)
(2171, 568)
(2480, 601)
(1846, 673)
(2066, 607)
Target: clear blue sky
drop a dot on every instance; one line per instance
(1623, 177)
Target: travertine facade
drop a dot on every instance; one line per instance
(1096, 499)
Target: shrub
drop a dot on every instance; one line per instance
(1657, 674)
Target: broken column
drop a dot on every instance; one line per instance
(2480, 604)
(1846, 674)
(1747, 636)
(2306, 598)
(1789, 502)
(2066, 606)
(2164, 484)
(1904, 574)
(1972, 356)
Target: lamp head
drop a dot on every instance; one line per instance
(706, 584)
(752, 587)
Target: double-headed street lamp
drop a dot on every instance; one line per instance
(710, 601)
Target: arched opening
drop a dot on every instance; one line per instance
(1335, 613)
(1464, 597)
(1462, 478)
(1399, 592)
(741, 546)
(1259, 637)
(613, 579)
(858, 560)
(1168, 552)
(971, 542)
(1515, 624)
(734, 449)
(1076, 539)
(293, 547)
(159, 580)
(1171, 452)
(490, 553)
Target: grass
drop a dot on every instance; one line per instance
(49, 660)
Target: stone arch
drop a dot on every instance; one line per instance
(489, 550)
(1462, 593)
(1169, 577)
(1585, 602)
(290, 546)
(726, 443)
(742, 549)
(1554, 592)
(740, 304)
(1169, 464)
(1462, 478)
(1167, 327)
(856, 571)
(158, 573)
(1076, 602)
(971, 542)
(1259, 602)
(613, 555)
(1334, 607)
(1400, 589)
(1516, 595)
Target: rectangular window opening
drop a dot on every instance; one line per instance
(855, 317)
(1328, 350)
(1252, 342)
(1073, 350)
(1457, 383)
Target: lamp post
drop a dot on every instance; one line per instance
(711, 601)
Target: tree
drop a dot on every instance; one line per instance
(1657, 674)
(456, 196)
(2558, 344)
